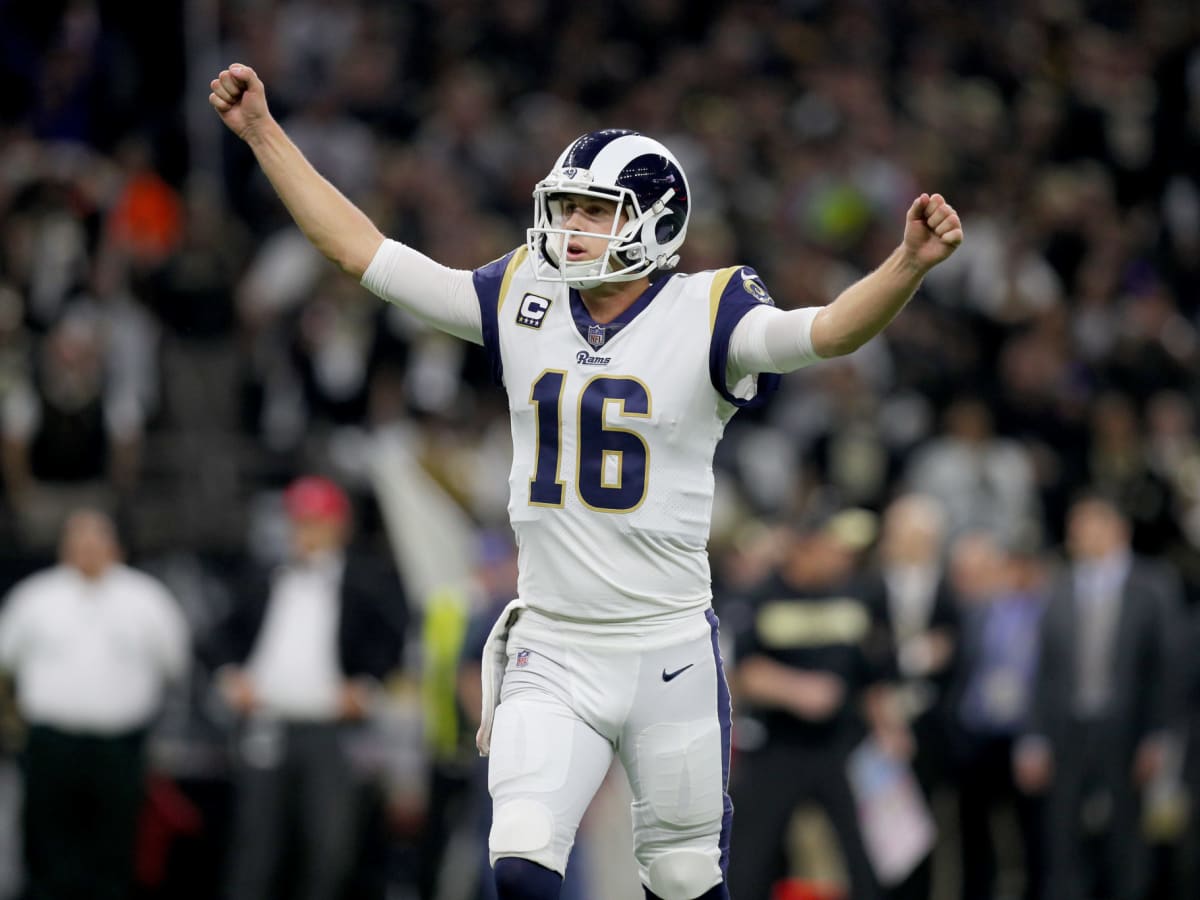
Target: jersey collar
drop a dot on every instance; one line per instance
(596, 334)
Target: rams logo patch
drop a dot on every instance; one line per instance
(753, 286)
(532, 311)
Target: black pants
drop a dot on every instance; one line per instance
(931, 768)
(296, 797)
(1187, 856)
(767, 785)
(986, 784)
(1093, 781)
(83, 794)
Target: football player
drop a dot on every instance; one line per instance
(621, 377)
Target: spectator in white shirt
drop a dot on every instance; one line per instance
(91, 643)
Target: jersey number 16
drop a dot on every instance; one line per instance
(611, 463)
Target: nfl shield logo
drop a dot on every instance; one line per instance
(522, 658)
(596, 335)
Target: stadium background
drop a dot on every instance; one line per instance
(146, 263)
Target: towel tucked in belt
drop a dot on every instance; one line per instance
(495, 660)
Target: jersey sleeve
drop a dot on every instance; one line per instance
(491, 284)
(439, 296)
(735, 291)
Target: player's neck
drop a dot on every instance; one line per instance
(607, 301)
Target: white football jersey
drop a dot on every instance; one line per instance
(614, 428)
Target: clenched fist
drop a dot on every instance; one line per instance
(240, 99)
(932, 231)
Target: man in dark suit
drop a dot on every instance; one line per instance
(1187, 857)
(1102, 704)
(300, 661)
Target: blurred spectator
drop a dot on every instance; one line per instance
(1119, 465)
(495, 585)
(983, 480)
(46, 244)
(130, 333)
(16, 344)
(1103, 698)
(1188, 858)
(145, 222)
(910, 594)
(1003, 277)
(854, 455)
(742, 560)
(1001, 596)
(192, 296)
(92, 644)
(302, 659)
(344, 146)
(808, 661)
(72, 435)
(1173, 455)
(333, 350)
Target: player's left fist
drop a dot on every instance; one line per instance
(932, 231)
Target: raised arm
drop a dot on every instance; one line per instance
(336, 227)
(932, 231)
(445, 298)
(771, 340)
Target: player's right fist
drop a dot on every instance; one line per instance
(240, 99)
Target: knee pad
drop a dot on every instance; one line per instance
(682, 875)
(521, 828)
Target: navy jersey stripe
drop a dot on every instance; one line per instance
(489, 280)
(733, 303)
(725, 718)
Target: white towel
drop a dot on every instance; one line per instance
(495, 660)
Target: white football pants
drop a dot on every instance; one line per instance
(565, 710)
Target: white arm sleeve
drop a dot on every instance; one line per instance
(768, 339)
(443, 297)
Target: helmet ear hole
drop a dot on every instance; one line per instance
(667, 226)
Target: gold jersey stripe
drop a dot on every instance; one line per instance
(720, 280)
(513, 265)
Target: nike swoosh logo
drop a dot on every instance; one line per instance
(667, 676)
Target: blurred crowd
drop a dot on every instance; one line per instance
(173, 355)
